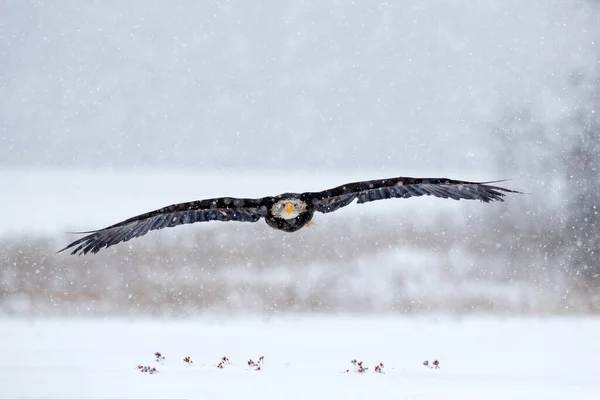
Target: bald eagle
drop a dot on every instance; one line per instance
(287, 212)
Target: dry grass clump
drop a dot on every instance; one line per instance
(359, 264)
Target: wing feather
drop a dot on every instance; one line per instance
(220, 209)
(406, 187)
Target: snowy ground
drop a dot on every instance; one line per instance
(305, 357)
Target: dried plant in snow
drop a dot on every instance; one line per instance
(188, 360)
(148, 369)
(358, 366)
(434, 365)
(257, 365)
(159, 357)
(224, 361)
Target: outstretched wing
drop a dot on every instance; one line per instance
(220, 209)
(405, 187)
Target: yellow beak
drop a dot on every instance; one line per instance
(289, 208)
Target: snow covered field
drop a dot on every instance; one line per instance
(304, 357)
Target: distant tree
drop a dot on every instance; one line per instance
(527, 228)
(582, 167)
(566, 233)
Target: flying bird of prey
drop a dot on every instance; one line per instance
(287, 212)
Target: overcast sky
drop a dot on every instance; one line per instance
(269, 84)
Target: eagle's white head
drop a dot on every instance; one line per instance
(288, 208)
